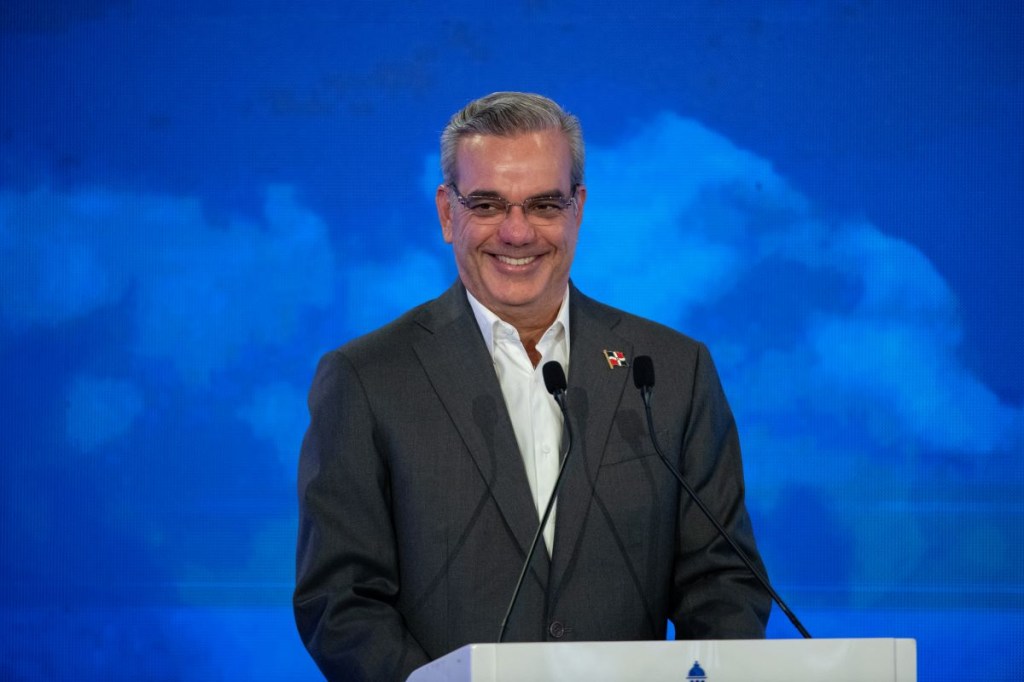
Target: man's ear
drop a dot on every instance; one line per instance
(581, 198)
(444, 212)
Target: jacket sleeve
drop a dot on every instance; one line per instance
(715, 596)
(347, 577)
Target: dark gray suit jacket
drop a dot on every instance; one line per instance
(416, 514)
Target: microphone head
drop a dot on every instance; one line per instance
(643, 372)
(554, 377)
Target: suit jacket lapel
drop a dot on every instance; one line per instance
(455, 359)
(594, 393)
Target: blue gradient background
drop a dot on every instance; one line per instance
(199, 199)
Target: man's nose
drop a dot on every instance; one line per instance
(515, 228)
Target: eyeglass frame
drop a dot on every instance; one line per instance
(565, 202)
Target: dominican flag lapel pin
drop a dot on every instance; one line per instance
(615, 359)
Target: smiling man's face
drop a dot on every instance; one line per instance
(516, 269)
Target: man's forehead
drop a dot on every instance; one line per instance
(547, 139)
(537, 154)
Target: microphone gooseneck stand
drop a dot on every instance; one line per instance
(643, 378)
(554, 381)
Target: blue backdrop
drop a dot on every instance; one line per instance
(199, 199)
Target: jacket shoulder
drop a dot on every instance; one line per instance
(394, 338)
(647, 336)
(394, 342)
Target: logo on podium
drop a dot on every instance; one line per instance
(696, 673)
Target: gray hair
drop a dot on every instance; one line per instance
(506, 114)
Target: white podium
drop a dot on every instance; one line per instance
(765, 660)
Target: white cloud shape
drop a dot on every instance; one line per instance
(200, 291)
(815, 325)
(276, 412)
(100, 409)
(377, 292)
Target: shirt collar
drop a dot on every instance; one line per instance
(489, 322)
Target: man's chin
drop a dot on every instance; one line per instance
(519, 297)
(524, 306)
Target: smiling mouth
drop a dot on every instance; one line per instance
(508, 260)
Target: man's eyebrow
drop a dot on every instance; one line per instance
(491, 194)
(550, 194)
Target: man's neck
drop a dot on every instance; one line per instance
(531, 331)
(530, 326)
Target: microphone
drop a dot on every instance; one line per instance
(643, 379)
(554, 381)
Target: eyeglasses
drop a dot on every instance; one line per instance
(491, 209)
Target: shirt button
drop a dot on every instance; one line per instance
(556, 630)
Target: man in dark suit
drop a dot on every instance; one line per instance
(433, 445)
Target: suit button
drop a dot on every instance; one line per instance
(556, 630)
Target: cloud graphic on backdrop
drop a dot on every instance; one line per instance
(277, 413)
(819, 329)
(377, 292)
(202, 292)
(100, 410)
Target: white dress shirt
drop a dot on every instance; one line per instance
(536, 418)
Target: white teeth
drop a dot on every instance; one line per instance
(517, 261)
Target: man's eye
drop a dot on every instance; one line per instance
(486, 206)
(546, 207)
